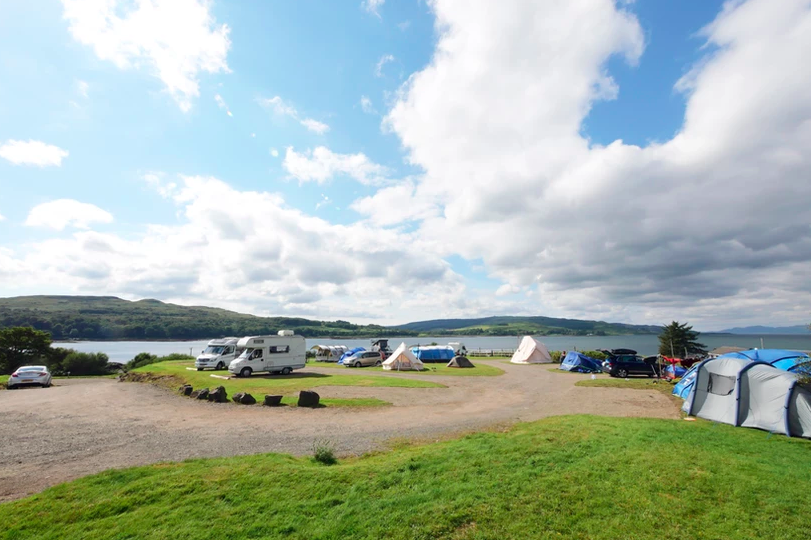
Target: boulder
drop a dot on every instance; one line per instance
(307, 398)
(273, 401)
(186, 389)
(244, 398)
(193, 395)
(218, 395)
(202, 393)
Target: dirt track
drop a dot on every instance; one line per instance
(84, 426)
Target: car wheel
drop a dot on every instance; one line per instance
(246, 372)
(622, 373)
(287, 371)
(357, 364)
(378, 363)
(220, 366)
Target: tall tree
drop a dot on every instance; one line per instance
(677, 338)
(22, 345)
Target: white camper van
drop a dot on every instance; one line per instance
(218, 354)
(274, 354)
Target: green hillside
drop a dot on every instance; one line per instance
(513, 326)
(109, 317)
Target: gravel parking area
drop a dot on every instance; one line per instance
(83, 426)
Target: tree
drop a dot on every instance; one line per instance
(20, 346)
(677, 338)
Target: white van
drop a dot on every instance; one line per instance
(274, 354)
(218, 354)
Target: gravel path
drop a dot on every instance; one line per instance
(83, 426)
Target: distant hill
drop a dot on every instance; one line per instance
(109, 317)
(766, 330)
(513, 326)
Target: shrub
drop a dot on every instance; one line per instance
(323, 452)
(144, 359)
(79, 363)
(557, 356)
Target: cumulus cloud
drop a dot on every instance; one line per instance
(711, 225)
(372, 6)
(175, 39)
(283, 108)
(385, 59)
(322, 164)
(250, 251)
(63, 213)
(32, 152)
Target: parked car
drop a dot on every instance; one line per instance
(364, 358)
(30, 375)
(623, 365)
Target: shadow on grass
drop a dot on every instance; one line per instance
(279, 376)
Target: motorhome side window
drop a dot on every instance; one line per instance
(279, 349)
(229, 350)
(257, 353)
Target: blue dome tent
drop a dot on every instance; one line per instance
(435, 353)
(580, 363)
(349, 353)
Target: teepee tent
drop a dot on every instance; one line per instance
(402, 359)
(531, 351)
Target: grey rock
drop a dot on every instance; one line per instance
(308, 398)
(202, 394)
(273, 401)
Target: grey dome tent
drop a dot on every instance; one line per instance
(742, 393)
(460, 362)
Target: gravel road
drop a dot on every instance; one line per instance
(84, 426)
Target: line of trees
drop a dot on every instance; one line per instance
(20, 346)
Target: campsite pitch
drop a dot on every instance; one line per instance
(563, 477)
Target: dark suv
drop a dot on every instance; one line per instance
(622, 365)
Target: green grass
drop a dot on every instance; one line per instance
(481, 370)
(637, 383)
(564, 477)
(259, 385)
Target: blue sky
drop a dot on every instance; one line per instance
(403, 160)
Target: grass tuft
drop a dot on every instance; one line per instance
(323, 452)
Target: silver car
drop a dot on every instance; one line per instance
(30, 375)
(364, 358)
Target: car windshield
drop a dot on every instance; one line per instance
(214, 350)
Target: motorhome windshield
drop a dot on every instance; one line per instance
(214, 350)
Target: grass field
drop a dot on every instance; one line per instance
(563, 477)
(259, 385)
(481, 370)
(639, 383)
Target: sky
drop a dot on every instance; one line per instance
(387, 161)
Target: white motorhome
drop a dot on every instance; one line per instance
(273, 354)
(218, 354)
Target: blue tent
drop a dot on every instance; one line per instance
(779, 358)
(349, 353)
(682, 388)
(434, 353)
(793, 361)
(675, 372)
(580, 363)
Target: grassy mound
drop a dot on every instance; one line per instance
(563, 477)
(481, 370)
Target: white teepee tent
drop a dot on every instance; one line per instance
(531, 351)
(402, 359)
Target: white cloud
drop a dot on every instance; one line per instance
(385, 59)
(711, 225)
(272, 259)
(397, 204)
(82, 87)
(403, 26)
(2, 217)
(274, 152)
(157, 181)
(32, 153)
(372, 6)
(174, 39)
(62, 213)
(221, 103)
(367, 106)
(321, 165)
(283, 108)
(315, 126)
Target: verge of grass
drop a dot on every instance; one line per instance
(481, 370)
(568, 477)
(259, 385)
(637, 383)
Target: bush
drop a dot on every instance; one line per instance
(324, 453)
(79, 363)
(557, 356)
(144, 359)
